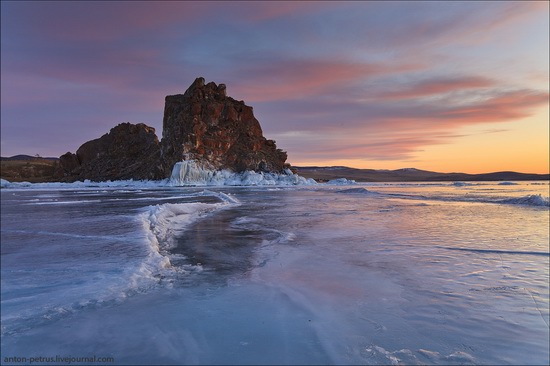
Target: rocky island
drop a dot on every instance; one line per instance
(203, 129)
(207, 138)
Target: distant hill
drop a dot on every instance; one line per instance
(26, 157)
(408, 175)
(37, 169)
(28, 168)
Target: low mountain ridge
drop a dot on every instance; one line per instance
(408, 175)
(28, 168)
(34, 169)
(21, 157)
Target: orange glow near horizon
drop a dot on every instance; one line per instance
(441, 91)
(521, 146)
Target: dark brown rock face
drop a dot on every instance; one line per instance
(217, 131)
(128, 151)
(203, 125)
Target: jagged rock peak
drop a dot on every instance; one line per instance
(200, 90)
(217, 131)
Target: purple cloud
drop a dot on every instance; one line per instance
(357, 78)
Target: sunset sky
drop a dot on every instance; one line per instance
(444, 86)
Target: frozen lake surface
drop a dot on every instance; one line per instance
(400, 273)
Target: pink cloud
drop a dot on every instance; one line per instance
(344, 80)
(291, 79)
(499, 108)
(267, 10)
(438, 87)
(108, 67)
(442, 116)
(87, 21)
(472, 25)
(105, 21)
(393, 135)
(364, 146)
(510, 13)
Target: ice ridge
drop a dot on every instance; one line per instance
(529, 200)
(162, 224)
(190, 173)
(184, 173)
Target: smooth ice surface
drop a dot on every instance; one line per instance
(400, 273)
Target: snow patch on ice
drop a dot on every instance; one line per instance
(381, 356)
(342, 182)
(462, 184)
(462, 357)
(225, 197)
(355, 191)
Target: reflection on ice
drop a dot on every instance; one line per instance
(310, 275)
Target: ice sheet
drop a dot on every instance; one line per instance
(297, 275)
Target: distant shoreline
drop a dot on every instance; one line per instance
(410, 175)
(36, 169)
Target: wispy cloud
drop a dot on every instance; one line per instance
(389, 131)
(438, 86)
(291, 79)
(326, 79)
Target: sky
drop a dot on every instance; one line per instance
(446, 86)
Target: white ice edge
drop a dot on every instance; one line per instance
(189, 173)
(184, 173)
(162, 223)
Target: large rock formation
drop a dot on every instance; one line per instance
(216, 131)
(128, 151)
(202, 125)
